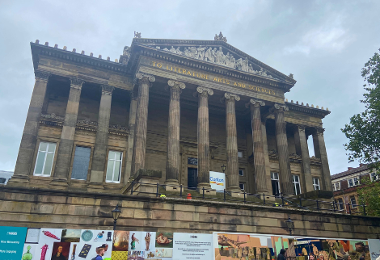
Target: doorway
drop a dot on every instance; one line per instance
(192, 178)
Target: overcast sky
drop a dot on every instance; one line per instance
(323, 43)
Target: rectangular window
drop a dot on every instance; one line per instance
(192, 161)
(241, 172)
(275, 183)
(353, 202)
(316, 184)
(353, 182)
(114, 166)
(241, 185)
(240, 154)
(45, 158)
(81, 163)
(296, 184)
(374, 176)
(340, 204)
(337, 186)
(356, 181)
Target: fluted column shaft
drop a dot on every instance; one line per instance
(283, 152)
(173, 160)
(101, 140)
(131, 137)
(258, 146)
(301, 145)
(65, 148)
(139, 148)
(29, 137)
(320, 152)
(231, 142)
(203, 133)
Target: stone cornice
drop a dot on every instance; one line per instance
(169, 42)
(202, 65)
(39, 49)
(308, 110)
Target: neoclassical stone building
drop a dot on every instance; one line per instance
(182, 107)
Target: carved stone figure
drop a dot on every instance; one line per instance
(220, 37)
(137, 34)
(217, 56)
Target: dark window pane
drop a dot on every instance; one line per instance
(2, 180)
(81, 162)
(192, 161)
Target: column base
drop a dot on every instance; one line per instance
(172, 185)
(236, 192)
(207, 189)
(59, 183)
(18, 180)
(95, 187)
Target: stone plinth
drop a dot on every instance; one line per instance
(144, 183)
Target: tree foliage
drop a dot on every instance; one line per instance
(363, 133)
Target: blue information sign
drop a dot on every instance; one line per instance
(12, 242)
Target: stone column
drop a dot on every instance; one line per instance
(258, 146)
(303, 150)
(203, 138)
(266, 155)
(321, 153)
(29, 137)
(65, 148)
(144, 83)
(173, 159)
(101, 140)
(282, 150)
(231, 142)
(131, 136)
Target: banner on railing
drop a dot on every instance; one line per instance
(218, 181)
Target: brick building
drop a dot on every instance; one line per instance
(345, 185)
(181, 108)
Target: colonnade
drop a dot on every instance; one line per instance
(138, 134)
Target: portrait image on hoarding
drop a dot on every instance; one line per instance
(164, 245)
(71, 235)
(242, 246)
(120, 240)
(47, 238)
(61, 251)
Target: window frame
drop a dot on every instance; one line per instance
(374, 176)
(354, 181)
(353, 205)
(44, 161)
(277, 180)
(340, 203)
(242, 170)
(316, 184)
(89, 163)
(240, 153)
(295, 183)
(113, 172)
(242, 183)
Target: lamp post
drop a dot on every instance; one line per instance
(223, 168)
(115, 215)
(290, 225)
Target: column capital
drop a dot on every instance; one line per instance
(176, 85)
(204, 91)
(301, 128)
(280, 107)
(145, 78)
(319, 130)
(107, 89)
(76, 83)
(42, 75)
(255, 102)
(231, 97)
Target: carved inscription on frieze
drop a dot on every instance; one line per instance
(208, 77)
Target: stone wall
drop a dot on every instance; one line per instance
(62, 209)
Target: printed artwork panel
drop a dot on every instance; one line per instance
(46, 241)
(60, 251)
(120, 240)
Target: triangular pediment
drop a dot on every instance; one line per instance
(215, 52)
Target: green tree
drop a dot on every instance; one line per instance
(363, 133)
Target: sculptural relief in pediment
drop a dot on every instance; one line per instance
(217, 56)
